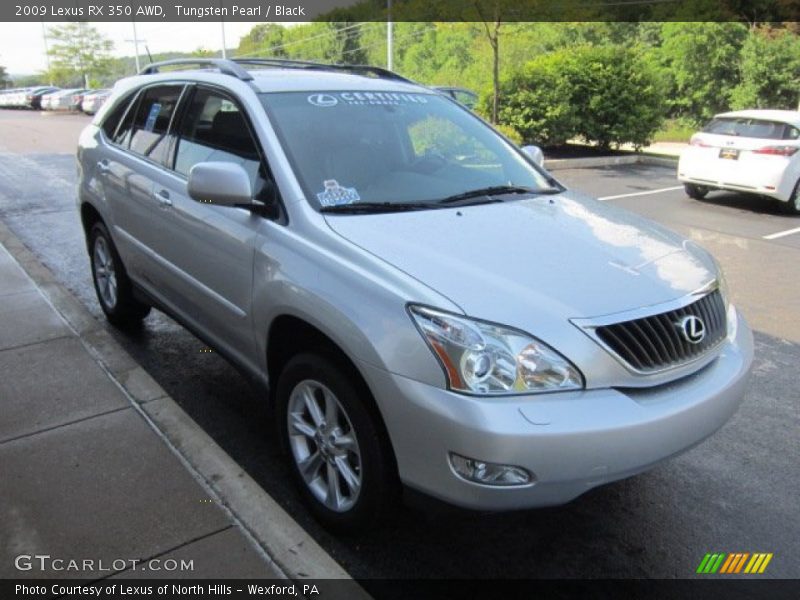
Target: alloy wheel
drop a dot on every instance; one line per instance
(104, 275)
(324, 445)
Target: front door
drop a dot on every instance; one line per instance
(211, 248)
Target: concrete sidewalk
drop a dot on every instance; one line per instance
(83, 475)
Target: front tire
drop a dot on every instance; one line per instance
(696, 192)
(114, 290)
(339, 457)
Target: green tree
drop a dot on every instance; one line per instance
(335, 42)
(436, 54)
(770, 71)
(78, 51)
(344, 44)
(492, 18)
(265, 40)
(5, 80)
(702, 60)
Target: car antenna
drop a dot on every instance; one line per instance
(149, 56)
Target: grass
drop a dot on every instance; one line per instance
(675, 130)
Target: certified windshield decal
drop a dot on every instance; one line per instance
(366, 99)
(336, 195)
(323, 100)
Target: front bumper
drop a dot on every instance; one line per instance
(571, 441)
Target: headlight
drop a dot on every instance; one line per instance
(483, 358)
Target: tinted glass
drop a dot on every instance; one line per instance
(391, 147)
(468, 99)
(751, 128)
(113, 118)
(214, 129)
(150, 134)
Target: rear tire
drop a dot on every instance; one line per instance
(339, 457)
(696, 192)
(793, 205)
(114, 290)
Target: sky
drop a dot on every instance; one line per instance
(22, 46)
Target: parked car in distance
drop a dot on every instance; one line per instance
(34, 97)
(61, 100)
(462, 95)
(76, 99)
(93, 100)
(424, 304)
(14, 98)
(48, 98)
(748, 151)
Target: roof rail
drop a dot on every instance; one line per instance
(224, 66)
(285, 63)
(234, 67)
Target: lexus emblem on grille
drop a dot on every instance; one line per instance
(692, 329)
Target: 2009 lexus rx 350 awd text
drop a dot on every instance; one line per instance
(426, 306)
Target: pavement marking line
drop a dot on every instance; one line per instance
(647, 193)
(780, 234)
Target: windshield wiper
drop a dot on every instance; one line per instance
(496, 190)
(377, 207)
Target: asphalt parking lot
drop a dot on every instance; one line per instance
(736, 492)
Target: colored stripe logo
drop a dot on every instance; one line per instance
(734, 563)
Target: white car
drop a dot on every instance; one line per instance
(92, 101)
(749, 151)
(60, 99)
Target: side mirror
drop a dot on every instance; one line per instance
(535, 154)
(221, 183)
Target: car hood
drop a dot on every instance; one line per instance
(565, 256)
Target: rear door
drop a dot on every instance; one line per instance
(136, 157)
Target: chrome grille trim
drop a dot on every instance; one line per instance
(648, 342)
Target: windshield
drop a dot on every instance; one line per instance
(392, 148)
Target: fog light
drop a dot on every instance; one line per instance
(487, 473)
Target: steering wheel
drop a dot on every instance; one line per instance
(431, 161)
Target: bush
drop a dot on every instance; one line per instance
(510, 133)
(532, 103)
(603, 94)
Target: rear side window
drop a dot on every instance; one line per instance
(752, 128)
(214, 129)
(115, 116)
(150, 133)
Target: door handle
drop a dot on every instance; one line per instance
(103, 166)
(163, 198)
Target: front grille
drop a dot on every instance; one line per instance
(656, 342)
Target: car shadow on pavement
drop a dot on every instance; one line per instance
(748, 202)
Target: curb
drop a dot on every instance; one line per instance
(560, 164)
(272, 530)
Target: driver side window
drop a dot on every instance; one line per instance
(214, 130)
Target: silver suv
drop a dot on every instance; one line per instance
(426, 306)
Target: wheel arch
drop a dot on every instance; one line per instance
(289, 335)
(89, 216)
